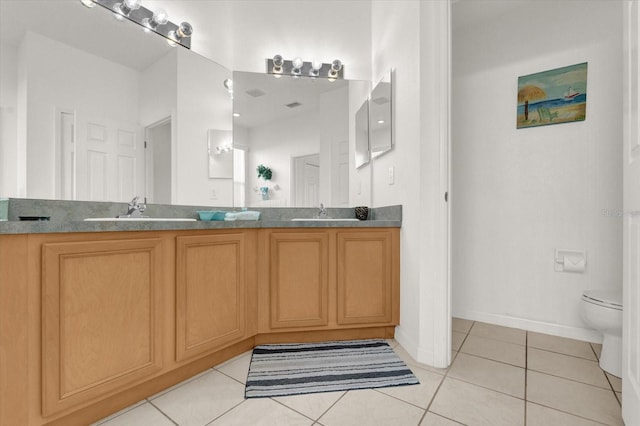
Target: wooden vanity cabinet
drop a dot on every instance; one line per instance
(329, 278)
(93, 322)
(102, 318)
(214, 274)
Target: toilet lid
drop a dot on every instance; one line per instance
(607, 298)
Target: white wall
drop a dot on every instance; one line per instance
(201, 107)
(411, 37)
(92, 86)
(518, 194)
(8, 121)
(273, 147)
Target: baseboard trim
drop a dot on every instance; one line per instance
(560, 330)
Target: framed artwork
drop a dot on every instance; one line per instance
(552, 97)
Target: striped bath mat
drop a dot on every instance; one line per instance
(299, 368)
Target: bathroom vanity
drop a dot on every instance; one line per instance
(92, 322)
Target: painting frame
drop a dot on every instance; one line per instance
(555, 96)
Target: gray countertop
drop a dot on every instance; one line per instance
(68, 216)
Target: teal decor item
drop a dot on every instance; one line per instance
(264, 192)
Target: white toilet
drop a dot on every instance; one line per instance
(602, 310)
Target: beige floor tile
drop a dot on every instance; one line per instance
(261, 412)
(392, 343)
(312, 405)
(572, 397)
(201, 400)
(371, 408)
(124, 410)
(537, 415)
(461, 325)
(237, 368)
(569, 367)
(404, 356)
(143, 414)
(431, 419)
(419, 395)
(474, 405)
(616, 382)
(498, 332)
(597, 348)
(496, 350)
(489, 374)
(456, 340)
(561, 345)
(177, 385)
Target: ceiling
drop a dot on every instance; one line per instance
(69, 22)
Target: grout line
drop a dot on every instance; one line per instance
(526, 373)
(162, 412)
(567, 412)
(444, 376)
(331, 406)
(230, 409)
(292, 409)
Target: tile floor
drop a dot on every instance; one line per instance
(499, 376)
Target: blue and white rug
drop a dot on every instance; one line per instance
(300, 368)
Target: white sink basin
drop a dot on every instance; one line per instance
(139, 219)
(323, 220)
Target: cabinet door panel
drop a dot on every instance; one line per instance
(299, 279)
(210, 293)
(364, 277)
(101, 312)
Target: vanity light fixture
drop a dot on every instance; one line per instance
(228, 84)
(125, 7)
(336, 67)
(297, 67)
(183, 32)
(159, 17)
(157, 22)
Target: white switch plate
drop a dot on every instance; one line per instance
(392, 175)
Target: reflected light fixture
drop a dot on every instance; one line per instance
(336, 67)
(297, 67)
(228, 84)
(127, 6)
(160, 17)
(157, 22)
(236, 114)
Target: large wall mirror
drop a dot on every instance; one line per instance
(81, 95)
(304, 130)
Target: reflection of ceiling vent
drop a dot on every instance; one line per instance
(380, 101)
(293, 104)
(256, 93)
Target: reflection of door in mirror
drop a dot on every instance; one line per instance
(110, 154)
(158, 162)
(306, 181)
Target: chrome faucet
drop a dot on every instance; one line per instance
(322, 213)
(135, 208)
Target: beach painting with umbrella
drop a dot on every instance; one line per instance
(552, 97)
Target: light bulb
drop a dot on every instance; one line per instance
(133, 4)
(159, 17)
(297, 63)
(336, 65)
(184, 30)
(228, 83)
(88, 3)
(315, 68)
(127, 6)
(278, 61)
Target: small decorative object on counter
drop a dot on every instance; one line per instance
(265, 173)
(362, 212)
